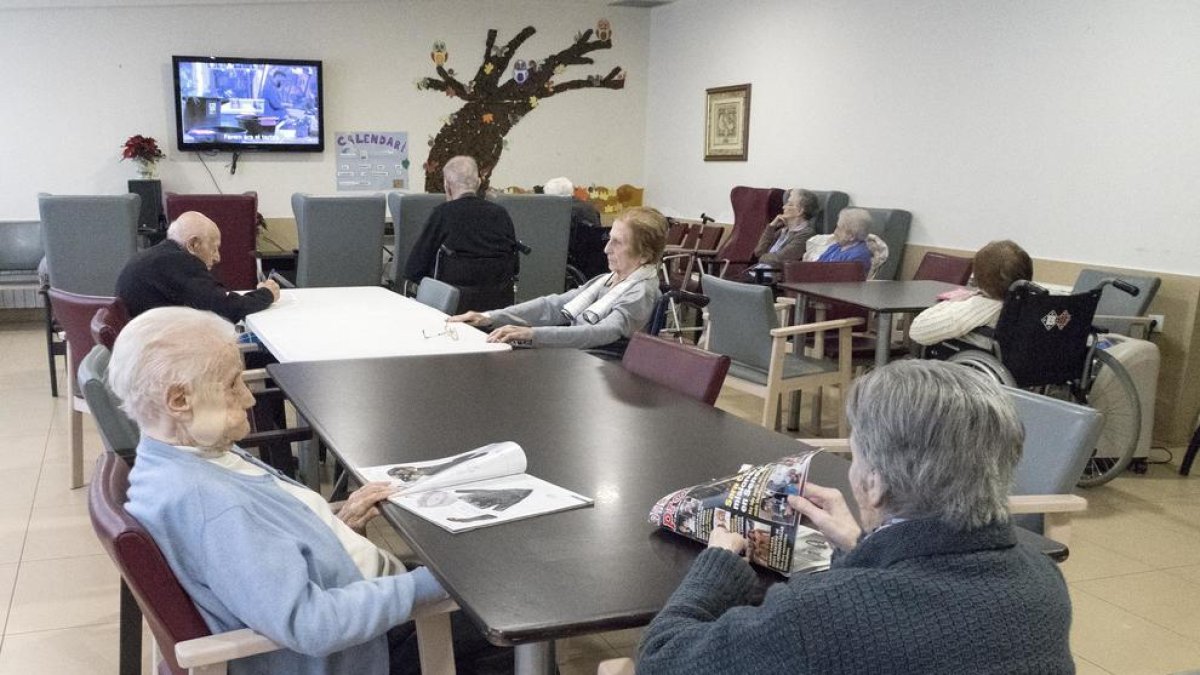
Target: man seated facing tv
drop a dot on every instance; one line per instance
(928, 578)
(466, 224)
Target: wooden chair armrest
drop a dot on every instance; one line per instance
(622, 666)
(1021, 504)
(803, 328)
(784, 301)
(255, 375)
(222, 647)
(830, 444)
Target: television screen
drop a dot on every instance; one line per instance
(248, 104)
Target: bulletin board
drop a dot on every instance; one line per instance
(372, 160)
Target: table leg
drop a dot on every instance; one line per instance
(536, 658)
(883, 339)
(130, 662)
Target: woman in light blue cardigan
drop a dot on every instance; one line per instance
(252, 548)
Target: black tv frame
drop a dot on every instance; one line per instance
(223, 146)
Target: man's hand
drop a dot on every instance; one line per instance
(723, 538)
(270, 286)
(477, 319)
(511, 334)
(360, 507)
(826, 508)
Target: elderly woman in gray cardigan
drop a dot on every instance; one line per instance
(928, 579)
(607, 308)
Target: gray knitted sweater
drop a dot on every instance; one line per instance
(915, 597)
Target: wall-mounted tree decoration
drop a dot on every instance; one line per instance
(496, 99)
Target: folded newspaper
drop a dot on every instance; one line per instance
(752, 503)
(480, 487)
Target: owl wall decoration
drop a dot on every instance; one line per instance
(520, 72)
(439, 53)
(603, 30)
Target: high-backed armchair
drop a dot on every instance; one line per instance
(410, 213)
(753, 208)
(236, 217)
(88, 240)
(543, 223)
(341, 239)
(890, 225)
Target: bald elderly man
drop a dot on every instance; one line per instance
(178, 272)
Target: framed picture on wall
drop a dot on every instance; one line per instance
(727, 124)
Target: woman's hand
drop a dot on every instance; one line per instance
(826, 508)
(477, 319)
(360, 507)
(511, 334)
(723, 538)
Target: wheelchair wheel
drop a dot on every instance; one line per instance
(575, 278)
(1113, 393)
(985, 363)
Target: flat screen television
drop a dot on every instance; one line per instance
(236, 104)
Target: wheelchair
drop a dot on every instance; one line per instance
(1047, 343)
(485, 281)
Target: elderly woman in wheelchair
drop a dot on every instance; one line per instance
(997, 266)
(1048, 343)
(610, 307)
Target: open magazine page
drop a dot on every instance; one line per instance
(490, 461)
(478, 504)
(752, 503)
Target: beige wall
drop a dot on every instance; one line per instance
(1178, 398)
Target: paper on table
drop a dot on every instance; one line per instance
(490, 461)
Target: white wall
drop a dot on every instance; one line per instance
(1070, 126)
(78, 81)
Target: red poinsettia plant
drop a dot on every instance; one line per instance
(142, 147)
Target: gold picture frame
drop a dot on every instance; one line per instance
(727, 124)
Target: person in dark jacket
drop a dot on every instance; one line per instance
(178, 272)
(928, 579)
(467, 224)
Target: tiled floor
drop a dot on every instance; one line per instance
(1134, 570)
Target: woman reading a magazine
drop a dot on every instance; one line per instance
(929, 579)
(610, 307)
(252, 548)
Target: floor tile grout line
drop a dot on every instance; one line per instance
(1090, 663)
(58, 628)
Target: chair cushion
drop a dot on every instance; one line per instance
(793, 366)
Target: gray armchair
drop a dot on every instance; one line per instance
(410, 213)
(341, 239)
(88, 240)
(1118, 311)
(438, 295)
(743, 325)
(831, 203)
(890, 225)
(543, 223)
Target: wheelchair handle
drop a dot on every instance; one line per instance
(1029, 286)
(1125, 286)
(522, 248)
(704, 219)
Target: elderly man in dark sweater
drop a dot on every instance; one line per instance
(932, 582)
(467, 224)
(177, 272)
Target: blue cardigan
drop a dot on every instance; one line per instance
(251, 555)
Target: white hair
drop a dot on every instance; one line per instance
(857, 223)
(461, 175)
(943, 439)
(561, 187)
(166, 347)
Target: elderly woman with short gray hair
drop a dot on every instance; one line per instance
(850, 239)
(928, 578)
(252, 548)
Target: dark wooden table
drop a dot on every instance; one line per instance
(883, 297)
(585, 424)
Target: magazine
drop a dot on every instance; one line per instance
(480, 487)
(752, 503)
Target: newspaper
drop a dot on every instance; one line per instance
(752, 503)
(478, 488)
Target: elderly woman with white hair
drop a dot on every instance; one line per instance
(608, 308)
(585, 248)
(928, 578)
(850, 239)
(252, 548)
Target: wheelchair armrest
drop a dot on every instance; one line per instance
(687, 298)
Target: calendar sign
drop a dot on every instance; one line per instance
(372, 160)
